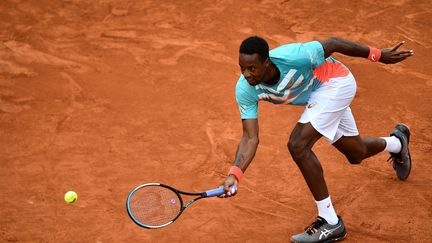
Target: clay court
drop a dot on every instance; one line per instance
(101, 96)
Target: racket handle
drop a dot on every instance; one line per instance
(218, 191)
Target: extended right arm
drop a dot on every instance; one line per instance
(248, 144)
(245, 151)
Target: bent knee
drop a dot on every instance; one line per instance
(295, 145)
(297, 148)
(357, 158)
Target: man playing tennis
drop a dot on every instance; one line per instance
(306, 74)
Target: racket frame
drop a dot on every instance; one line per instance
(177, 192)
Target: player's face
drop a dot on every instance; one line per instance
(252, 68)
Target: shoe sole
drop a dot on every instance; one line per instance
(406, 168)
(406, 128)
(337, 238)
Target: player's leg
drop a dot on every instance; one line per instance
(356, 148)
(300, 144)
(322, 115)
(348, 141)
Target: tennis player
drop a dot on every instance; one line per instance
(305, 74)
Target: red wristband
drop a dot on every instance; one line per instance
(374, 54)
(236, 171)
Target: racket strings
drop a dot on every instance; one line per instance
(154, 205)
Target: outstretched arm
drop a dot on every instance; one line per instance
(245, 151)
(248, 144)
(388, 55)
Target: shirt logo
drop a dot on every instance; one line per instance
(311, 105)
(243, 108)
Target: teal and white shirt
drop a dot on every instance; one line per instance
(296, 63)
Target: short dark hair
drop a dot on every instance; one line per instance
(255, 44)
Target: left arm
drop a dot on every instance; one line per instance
(388, 55)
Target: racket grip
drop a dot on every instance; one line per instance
(218, 191)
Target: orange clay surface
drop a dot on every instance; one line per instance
(99, 96)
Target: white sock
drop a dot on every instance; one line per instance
(393, 144)
(326, 211)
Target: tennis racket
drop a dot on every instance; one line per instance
(156, 205)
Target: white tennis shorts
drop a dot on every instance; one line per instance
(328, 108)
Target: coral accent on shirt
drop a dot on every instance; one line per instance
(330, 70)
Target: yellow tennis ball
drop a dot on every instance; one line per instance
(71, 197)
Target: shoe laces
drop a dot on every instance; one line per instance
(314, 227)
(395, 158)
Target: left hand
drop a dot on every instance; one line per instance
(392, 55)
